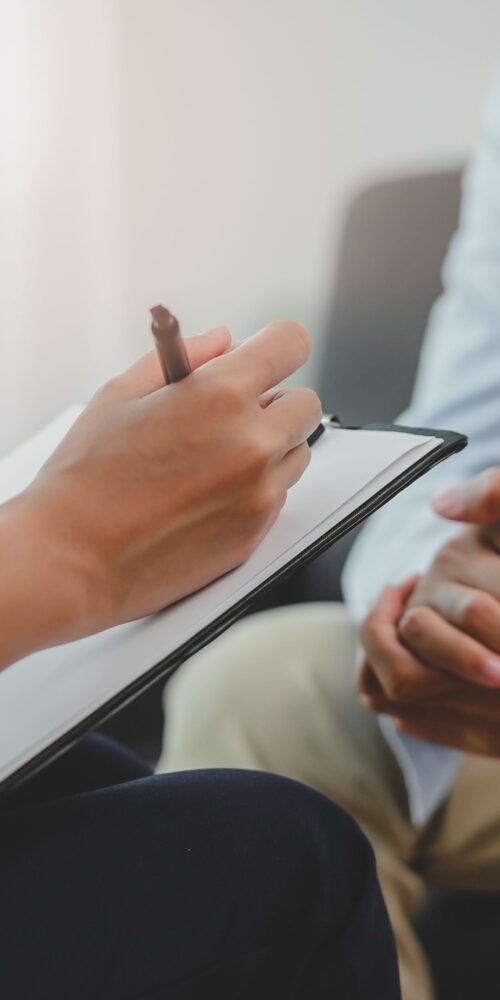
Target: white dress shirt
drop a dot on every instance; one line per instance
(457, 388)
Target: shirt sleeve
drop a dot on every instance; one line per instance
(457, 386)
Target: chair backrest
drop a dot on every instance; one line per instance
(394, 241)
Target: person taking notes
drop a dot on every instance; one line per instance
(116, 883)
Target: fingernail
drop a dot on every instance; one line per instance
(449, 502)
(491, 671)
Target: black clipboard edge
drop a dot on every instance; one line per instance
(452, 444)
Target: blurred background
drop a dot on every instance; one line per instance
(203, 154)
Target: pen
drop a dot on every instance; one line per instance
(173, 357)
(169, 344)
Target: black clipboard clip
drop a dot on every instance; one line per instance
(333, 421)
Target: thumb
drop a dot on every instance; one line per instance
(146, 376)
(474, 502)
(392, 602)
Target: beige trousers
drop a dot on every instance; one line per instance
(277, 693)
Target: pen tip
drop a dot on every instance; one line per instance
(163, 319)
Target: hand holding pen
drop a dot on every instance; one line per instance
(173, 357)
(155, 493)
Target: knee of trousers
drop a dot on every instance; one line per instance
(327, 899)
(296, 844)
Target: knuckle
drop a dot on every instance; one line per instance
(414, 624)
(109, 391)
(444, 560)
(308, 412)
(258, 453)
(314, 404)
(227, 395)
(478, 611)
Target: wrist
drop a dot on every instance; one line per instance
(46, 590)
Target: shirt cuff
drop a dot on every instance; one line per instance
(429, 771)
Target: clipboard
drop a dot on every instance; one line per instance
(18, 770)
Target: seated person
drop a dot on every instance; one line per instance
(279, 692)
(116, 883)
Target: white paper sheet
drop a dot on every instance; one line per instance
(44, 695)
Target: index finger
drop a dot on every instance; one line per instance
(473, 611)
(146, 375)
(434, 641)
(270, 356)
(474, 502)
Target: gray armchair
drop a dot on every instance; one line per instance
(395, 238)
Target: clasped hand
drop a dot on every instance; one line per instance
(432, 645)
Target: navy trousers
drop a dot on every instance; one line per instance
(119, 885)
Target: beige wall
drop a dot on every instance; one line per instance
(202, 152)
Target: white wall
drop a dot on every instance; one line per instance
(202, 152)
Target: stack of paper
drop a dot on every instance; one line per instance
(48, 693)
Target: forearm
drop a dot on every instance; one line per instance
(42, 599)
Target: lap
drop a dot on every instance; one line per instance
(278, 693)
(167, 886)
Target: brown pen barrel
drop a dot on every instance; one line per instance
(170, 346)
